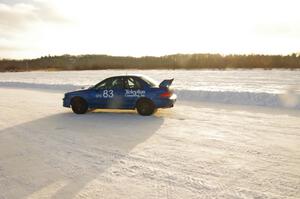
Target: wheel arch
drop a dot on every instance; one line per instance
(78, 97)
(146, 99)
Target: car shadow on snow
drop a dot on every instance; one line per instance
(67, 151)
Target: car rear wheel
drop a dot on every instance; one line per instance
(145, 107)
(79, 105)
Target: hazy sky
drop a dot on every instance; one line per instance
(33, 28)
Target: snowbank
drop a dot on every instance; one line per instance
(242, 98)
(288, 100)
(53, 87)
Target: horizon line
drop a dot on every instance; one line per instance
(157, 56)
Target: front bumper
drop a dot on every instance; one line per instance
(66, 103)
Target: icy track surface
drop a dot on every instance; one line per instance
(194, 150)
(269, 88)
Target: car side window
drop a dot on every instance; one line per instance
(103, 84)
(132, 83)
(111, 83)
(117, 83)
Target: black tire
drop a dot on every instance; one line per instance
(145, 107)
(79, 105)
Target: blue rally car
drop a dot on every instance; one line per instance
(123, 92)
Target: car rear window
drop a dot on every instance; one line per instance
(150, 81)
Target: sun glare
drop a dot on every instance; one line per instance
(155, 27)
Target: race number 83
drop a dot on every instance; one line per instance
(108, 93)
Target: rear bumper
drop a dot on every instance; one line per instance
(167, 103)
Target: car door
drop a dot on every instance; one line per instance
(115, 94)
(109, 93)
(133, 91)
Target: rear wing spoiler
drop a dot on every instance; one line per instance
(166, 83)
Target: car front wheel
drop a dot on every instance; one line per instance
(145, 107)
(79, 105)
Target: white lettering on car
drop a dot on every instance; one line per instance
(98, 95)
(135, 93)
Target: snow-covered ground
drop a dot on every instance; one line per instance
(272, 88)
(198, 149)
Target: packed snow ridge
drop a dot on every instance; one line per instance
(288, 100)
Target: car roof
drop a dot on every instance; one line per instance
(144, 78)
(129, 75)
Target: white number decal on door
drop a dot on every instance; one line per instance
(108, 93)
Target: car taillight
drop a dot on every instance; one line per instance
(166, 94)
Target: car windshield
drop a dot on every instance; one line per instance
(150, 81)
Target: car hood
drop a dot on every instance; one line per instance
(76, 92)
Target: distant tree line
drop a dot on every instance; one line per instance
(177, 61)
